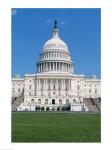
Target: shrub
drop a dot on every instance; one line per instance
(42, 109)
(67, 108)
(47, 108)
(63, 108)
(58, 108)
(37, 108)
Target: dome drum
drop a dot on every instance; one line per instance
(54, 66)
(55, 55)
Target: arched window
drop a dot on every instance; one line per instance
(74, 101)
(53, 101)
(46, 101)
(32, 101)
(60, 101)
(67, 101)
(39, 101)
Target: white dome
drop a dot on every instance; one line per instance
(55, 43)
(55, 55)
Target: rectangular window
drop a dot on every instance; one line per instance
(30, 87)
(95, 90)
(78, 88)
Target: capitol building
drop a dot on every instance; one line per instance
(55, 85)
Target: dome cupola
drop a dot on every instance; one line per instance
(55, 42)
(55, 55)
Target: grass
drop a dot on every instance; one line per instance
(55, 127)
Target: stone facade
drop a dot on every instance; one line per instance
(55, 83)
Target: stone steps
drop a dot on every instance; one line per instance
(16, 103)
(92, 104)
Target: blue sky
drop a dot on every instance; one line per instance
(79, 28)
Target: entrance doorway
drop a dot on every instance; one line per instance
(53, 101)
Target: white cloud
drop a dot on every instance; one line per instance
(62, 22)
(14, 12)
(48, 21)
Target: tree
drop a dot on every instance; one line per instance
(37, 108)
(68, 108)
(47, 108)
(63, 108)
(42, 109)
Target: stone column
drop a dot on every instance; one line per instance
(70, 68)
(44, 66)
(67, 67)
(39, 83)
(53, 65)
(59, 66)
(43, 83)
(63, 66)
(50, 66)
(62, 84)
(41, 67)
(70, 83)
(47, 66)
(56, 65)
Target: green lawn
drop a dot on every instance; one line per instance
(55, 127)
